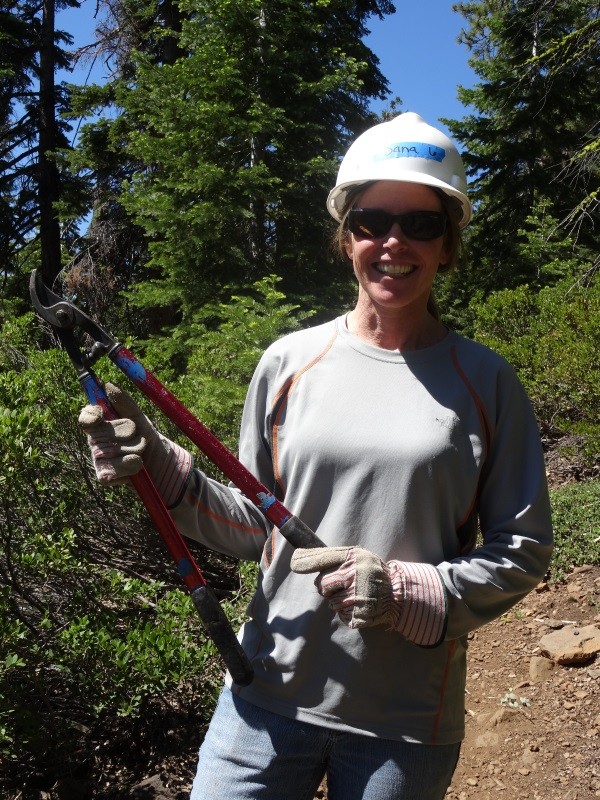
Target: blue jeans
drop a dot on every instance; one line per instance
(253, 754)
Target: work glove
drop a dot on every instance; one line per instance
(120, 447)
(365, 591)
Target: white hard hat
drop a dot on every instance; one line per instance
(404, 149)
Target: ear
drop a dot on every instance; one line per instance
(445, 254)
(349, 247)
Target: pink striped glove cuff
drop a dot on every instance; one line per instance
(171, 473)
(421, 605)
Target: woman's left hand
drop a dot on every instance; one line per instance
(361, 588)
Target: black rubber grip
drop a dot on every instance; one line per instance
(299, 534)
(220, 631)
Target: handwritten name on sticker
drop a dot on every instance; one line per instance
(414, 150)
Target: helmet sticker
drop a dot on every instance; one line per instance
(413, 150)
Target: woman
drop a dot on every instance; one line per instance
(392, 438)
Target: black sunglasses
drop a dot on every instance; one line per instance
(372, 223)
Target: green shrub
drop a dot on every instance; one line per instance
(222, 346)
(93, 623)
(551, 338)
(576, 519)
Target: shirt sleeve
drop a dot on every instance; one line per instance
(220, 516)
(514, 517)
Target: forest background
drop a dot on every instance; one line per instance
(181, 204)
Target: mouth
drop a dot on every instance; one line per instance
(394, 270)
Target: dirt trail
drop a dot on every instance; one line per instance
(532, 734)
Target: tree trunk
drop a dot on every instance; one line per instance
(49, 181)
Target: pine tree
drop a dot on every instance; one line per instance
(233, 143)
(529, 120)
(17, 148)
(32, 134)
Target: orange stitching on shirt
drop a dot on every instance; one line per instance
(478, 404)
(485, 428)
(280, 402)
(226, 520)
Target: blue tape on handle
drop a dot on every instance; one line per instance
(184, 567)
(134, 370)
(94, 391)
(413, 150)
(266, 500)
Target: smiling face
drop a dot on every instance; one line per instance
(395, 273)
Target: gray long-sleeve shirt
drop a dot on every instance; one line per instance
(400, 453)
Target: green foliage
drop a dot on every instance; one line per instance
(93, 623)
(91, 626)
(551, 338)
(575, 46)
(32, 100)
(144, 639)
(534, 116)
(220, 348)
(224, 164)
(546, 254)
(576, 519)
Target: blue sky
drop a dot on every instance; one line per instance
(416, 47)
(419, 55)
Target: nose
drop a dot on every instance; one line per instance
(395, 237)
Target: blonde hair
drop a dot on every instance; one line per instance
(453, 234)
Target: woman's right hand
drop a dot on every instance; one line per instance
(120, 447)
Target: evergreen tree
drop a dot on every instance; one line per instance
(111, 254)
(530, 119)
(233, 143)
(17, 148)
(582, 170)
(32, 133)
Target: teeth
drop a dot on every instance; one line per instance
(394, 269)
